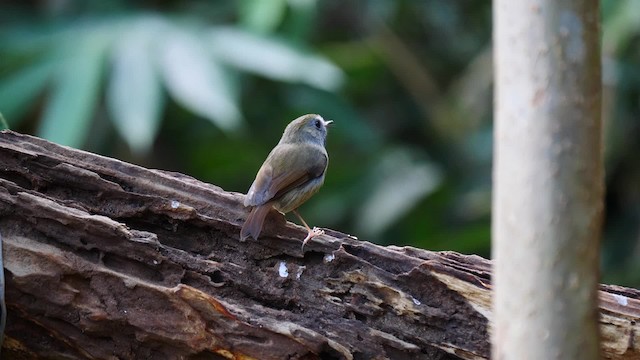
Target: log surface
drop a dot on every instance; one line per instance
(108, 260)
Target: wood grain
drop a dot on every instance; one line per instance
(109, 260)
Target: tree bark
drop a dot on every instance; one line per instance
(548, 179)
(106, 260)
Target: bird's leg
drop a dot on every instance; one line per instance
(310, 232)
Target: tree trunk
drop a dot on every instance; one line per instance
(109, 260)
(548, 179)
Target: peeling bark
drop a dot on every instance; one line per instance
(109, 260)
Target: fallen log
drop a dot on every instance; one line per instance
(105, 259)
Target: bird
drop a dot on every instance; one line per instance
(292, 173)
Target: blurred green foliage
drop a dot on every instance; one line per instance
(206, 88)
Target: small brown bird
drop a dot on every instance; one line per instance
(291, 174)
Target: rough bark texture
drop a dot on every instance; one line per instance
(548, 179)
(108, 260)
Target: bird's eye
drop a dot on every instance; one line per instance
(318, 124)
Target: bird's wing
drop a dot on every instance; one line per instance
(257, 194)
(287, 167)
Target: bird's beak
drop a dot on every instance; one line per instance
(328, 122)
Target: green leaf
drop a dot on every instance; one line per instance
(262, 16)
(19, 90)
(621, 26)
(274, 59)
(401, 181)
(134, 95)
(195, 80)
(76, 86)
(301, 20)
(3, 122)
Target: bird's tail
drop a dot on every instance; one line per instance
(253, 225)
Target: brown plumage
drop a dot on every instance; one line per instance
(291, 174)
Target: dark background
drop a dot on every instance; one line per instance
(206, 88)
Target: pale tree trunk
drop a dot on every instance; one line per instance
(548, 179)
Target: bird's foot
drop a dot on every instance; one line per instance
(312, 233)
